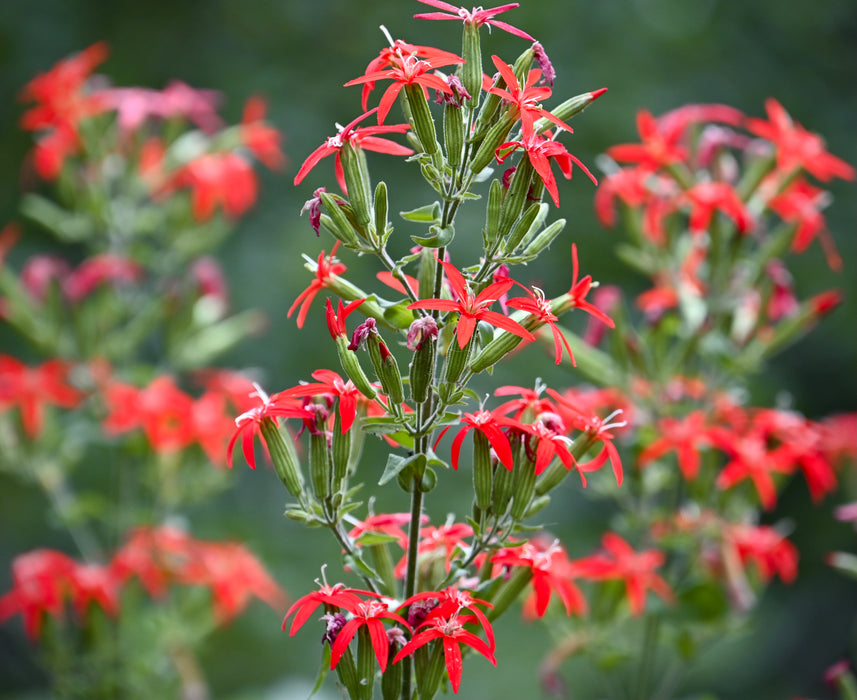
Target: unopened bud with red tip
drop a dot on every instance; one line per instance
(566, 110)
(422, 339)
(347, 358)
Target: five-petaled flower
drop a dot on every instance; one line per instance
(337, 595)
(473, 308)
(325, 270)
(490, 424)
(247, 424)
(407, 70)
(797, 147)
(477, 16)
(336, 319)
(450, 630)
(539, 152)
(358, 137)
(637, 569)
(541, 309)
(330, 383)
(524, 98)
(368, 613)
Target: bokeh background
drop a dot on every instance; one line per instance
(653, 54)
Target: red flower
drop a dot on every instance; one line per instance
(446, 537)
(552, 572)
(452, 601)
(476, 16)
(233, 574)
(491, 425)
(94, 583)
(330, 383)
(389, 524)
(541, 309)
(525, 98)
(752, 460)
(212, 425)
(262, 140)
(551, 443)
(39, 580)
(599, 430)
(407, 70)
(629, 185)
(96, 271)
(451, 630)
(395, 55)
(367, 613)
(219, 179)
(539, 151)
(707, 197)
(660, 147)
(636, 569)
(336, 320)
(336, 595)
(797, 147)
(32, 388)
(358, 137)
(801, 204)
(248, 422)
(473, 309)
(685, 436)
(530, 400)
(59, 92)
(579, 290)
(770, 551)
(326, 269)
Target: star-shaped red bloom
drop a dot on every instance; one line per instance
(541, 309)
(32, 388)
(359, 137)
(409, 70)
(539, 152)
(762, 545)
(395, 54)
(705, 198)
(451, 631)
(336, 319)
(368, 613)
(262, 139)
(637, 569)
(473, 309)
(336, 595)
(248, 422)
(685, 436)
(552, 572)
(525, 98)
(326, 269)
(452, 601)
(491, 425)
(797, 147)
(476, 16)
(801, 204)
(660, 147)
(580, 288)
(329, 382)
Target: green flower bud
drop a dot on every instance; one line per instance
(358, 183)
(284, 457)
(351, 366)
(336, 221)
(423, 123)
(483, 470)
(471, 70)
(319, 465)
(515, 198)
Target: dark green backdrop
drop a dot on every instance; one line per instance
(654, 54)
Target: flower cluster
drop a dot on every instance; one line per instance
(45, 580)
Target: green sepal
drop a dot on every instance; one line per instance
(440, 237)
(357, 179)
(430, 214)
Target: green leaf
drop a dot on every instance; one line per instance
(322, 671)
(430, 214)
(396, 463)
(440, 237)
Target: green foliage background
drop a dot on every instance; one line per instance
(653, 54)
